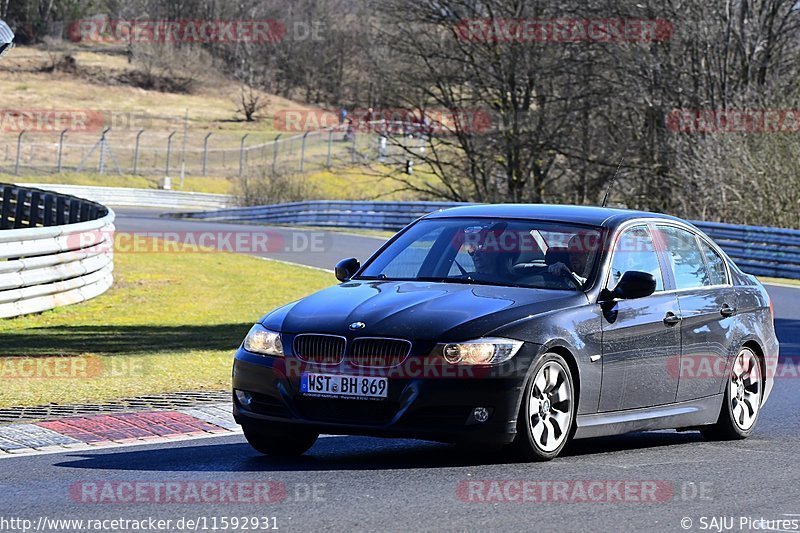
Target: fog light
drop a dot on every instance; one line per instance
(244, 398)
(480, 414)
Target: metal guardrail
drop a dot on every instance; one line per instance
(126, 197)
(757, 250)
(55, 250)
(328, 213)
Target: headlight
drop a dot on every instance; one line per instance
(481, 351)
(262, 341)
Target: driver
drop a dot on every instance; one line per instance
(489, 256)
(578, 259)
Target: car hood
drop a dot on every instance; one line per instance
(416, 310)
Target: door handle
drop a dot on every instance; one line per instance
(671, 319)
(727, 310)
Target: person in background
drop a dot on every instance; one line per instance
(342, 115)
(382, 147)
(350, 133)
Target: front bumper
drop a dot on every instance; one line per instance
(424, 402)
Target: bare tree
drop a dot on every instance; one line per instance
(251, 102)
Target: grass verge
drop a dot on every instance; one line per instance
(170, 323)
(780, 281)
(213, 185)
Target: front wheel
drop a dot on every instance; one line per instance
(546, 416)
(279, 443)
(742, 402)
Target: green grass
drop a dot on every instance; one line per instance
(170, 323)
(349, 183)
(358, 183)
(214, 185)
(781, 281)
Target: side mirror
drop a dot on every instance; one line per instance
(634, 284)
(347, 268)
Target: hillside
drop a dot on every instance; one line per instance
(100, 83)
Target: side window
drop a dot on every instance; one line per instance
(686, 257)
(716, 265)
(635, 251)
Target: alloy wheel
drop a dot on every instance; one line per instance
(550, 406)
(745, 389)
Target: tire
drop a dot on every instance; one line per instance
(279, 443)
(546, 420)
(742, 403)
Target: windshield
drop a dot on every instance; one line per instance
(519, 253)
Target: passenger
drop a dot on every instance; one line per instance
(578, 261)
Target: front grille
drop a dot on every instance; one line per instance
(378, 353)
(321, 349)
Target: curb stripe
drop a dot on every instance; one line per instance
(33, 436)
(120, 428)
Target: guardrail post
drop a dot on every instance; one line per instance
(275, 153)
(19, 212)
(205, 152)
(48, 210)
(136, 152)
(241, 155)
(303, 151)
(60, 150)
(5, 207)
(19, 152)
(330, 146)
(169, 151)
(33, 215)
(103, 148)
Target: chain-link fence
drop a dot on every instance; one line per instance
(164, 153)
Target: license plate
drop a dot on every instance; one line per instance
(331, 385)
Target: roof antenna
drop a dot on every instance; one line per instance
(611, 183)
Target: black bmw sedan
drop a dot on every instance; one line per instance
(515, 325)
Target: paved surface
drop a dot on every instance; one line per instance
(316, 248)
(355, 483)
(369, 484)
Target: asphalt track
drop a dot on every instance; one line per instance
(355, 483)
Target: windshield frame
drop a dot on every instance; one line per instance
(597, 260)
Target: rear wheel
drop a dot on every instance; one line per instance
(546, 416)
(742, 402)
(279, 443)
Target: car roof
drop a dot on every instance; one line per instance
(578, 214)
